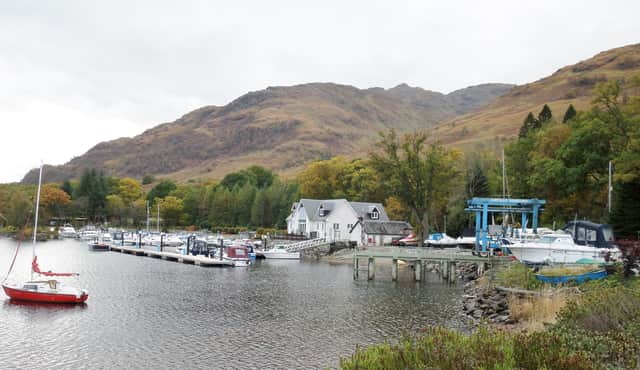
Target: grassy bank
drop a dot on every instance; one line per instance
(596, 326)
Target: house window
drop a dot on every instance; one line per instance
(375, 215)
(302, 226)
(336, 226)
(349, 226)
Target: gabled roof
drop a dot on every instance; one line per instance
(312, 207)
(362, 208)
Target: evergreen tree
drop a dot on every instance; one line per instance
(67, 187)
(477, 182)
(625, 213)
(94, 187)
(544, 116)
(528, 124)
(569, 114)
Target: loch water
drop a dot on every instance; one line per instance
(149, 313)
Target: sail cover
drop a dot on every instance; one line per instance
(36, 269)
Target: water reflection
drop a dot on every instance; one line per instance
(149, 313)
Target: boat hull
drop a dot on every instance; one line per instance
(99, 247)
(580, 278)
(31, 296)
(531, 254)
(281, 255)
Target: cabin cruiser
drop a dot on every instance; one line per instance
(238, 254)
(558, 248)
(67, 231)
(101, 242)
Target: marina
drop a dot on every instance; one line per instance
(156, 314)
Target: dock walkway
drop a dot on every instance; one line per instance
(418, 257)
(169, 256)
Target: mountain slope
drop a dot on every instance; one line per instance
(281, 128)
(501, 119)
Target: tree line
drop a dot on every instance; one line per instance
(563, 161)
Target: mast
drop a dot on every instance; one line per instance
(35, 227)
(147, 217)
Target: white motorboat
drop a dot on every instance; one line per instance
(441, 240)
(67, 231)
(168, 240)
(560, 248)
(280, 252)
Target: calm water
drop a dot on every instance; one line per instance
(148, 313)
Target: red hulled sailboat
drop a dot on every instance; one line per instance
(45, 289)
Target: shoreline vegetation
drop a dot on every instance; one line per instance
(594, 325)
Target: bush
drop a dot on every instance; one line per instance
(517, 275)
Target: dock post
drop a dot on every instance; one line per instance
(356, 267)
(139, 240)
(371, 268)
(452, 273)
(161, 241)
(418, 270)
(394, 269)
(480, 270)
(445, 270)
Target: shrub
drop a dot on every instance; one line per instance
(517, 275)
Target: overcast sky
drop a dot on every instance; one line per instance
(75, 73)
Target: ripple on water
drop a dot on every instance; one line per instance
(148, 313)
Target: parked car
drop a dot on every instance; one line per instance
(408, 240)
(396, 240)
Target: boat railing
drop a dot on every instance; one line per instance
(306, 244)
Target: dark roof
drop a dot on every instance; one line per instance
(386, 227)
(363, 208)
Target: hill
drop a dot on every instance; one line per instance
(281, 128)
(501, 119)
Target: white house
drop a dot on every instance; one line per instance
(338, 220)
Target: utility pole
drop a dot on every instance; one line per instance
(610, 188)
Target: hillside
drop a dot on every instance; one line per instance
(281, 128)
(501, 119)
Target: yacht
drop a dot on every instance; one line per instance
(67, 231)
(559, 248)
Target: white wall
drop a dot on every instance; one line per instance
(342, 215)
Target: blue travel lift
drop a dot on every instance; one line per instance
(483, 206)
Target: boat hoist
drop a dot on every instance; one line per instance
(487, 241)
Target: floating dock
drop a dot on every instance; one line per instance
(418, 257)
(176, 257)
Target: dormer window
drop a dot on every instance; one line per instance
(375, 215)
(322, 211)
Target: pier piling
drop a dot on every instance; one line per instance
(371, 268)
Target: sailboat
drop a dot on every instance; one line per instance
(47, 289)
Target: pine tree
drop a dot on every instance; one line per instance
(569, 114)
(625, 215)
(528, 124)
(67, 187)
(545, 115)
(477, 182)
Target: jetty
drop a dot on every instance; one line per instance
(418, 258)
(175, 257)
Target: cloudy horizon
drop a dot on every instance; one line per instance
(75, 74)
